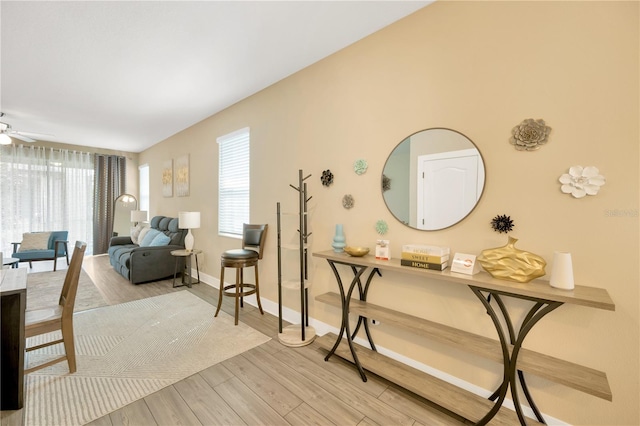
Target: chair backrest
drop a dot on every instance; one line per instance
(58, 235)
(254, 236)
(70, 287)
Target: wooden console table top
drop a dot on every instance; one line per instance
(539, 289)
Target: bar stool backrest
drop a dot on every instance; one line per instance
(253, 237)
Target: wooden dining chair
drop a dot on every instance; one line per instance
(253, 239)
(58, 317)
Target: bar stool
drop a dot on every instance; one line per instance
(253, 238)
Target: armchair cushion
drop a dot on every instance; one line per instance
(35, 241)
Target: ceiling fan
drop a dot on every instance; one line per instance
(6, 133)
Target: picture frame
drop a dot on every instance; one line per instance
(182, 176)
(167, 178)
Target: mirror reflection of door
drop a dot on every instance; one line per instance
(447, 194)
(448, 187)
(122, 208)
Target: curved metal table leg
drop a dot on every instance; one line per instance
(510, 371)
(345, 328)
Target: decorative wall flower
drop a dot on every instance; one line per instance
(581, 181)
(530, 135)
(381, 227)
(326, 178)
(502, 223)
(347, 201)
(386, 183)
(360, 166)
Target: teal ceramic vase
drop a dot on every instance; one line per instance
(339, 240)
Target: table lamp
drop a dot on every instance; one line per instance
(138, 216)
(188, 220)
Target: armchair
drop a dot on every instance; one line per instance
(39, 246)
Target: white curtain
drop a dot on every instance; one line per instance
(45, 189)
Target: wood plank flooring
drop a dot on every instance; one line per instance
(268, 385)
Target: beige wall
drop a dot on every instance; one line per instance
(480, 68)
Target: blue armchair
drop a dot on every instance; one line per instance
(38, 246)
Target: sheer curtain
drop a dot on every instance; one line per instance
(45, 189)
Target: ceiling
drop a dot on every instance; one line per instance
(126, 75)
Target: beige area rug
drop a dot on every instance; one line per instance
(43, 289)
(128, 351)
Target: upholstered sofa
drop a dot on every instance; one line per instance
(147, 256)
(37, 246)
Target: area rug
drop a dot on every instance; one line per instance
(128, 351)
(43, 289)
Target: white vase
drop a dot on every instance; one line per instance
(562, 271)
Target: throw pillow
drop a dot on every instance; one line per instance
(160, 240)
(143, 233)
(146, 241)
(35, 241)
(135, 232)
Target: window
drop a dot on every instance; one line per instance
(233, 182)
(144, 187)
(45, 189)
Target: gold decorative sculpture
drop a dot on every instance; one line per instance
(510, 263)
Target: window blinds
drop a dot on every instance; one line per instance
(233, 182)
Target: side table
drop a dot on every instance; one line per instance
(186, 254)
(10, 261)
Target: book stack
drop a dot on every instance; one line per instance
(425, 257)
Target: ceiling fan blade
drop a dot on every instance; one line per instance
(23, 138)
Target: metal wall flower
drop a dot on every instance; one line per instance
(347, 201)
(360, 166)
(581, 181)
(381, 227)
(530, 135)
(502, 223)
(386, 183)
(326, 178)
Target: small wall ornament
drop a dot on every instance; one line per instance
(386, 183)
(347, 201)
(581, 181)
(502, 223)
(381, 227)
(326, 178)
(360, 166)
(530, 135)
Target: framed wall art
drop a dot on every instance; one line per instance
(182, 176)
(167, 178)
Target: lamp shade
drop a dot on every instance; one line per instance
(138, 216)
(189, 220)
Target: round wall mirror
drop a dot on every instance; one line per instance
(122, 208)
(433, 179)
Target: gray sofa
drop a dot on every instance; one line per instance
(149, 262)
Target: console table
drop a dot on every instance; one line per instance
(13, 297)
(507, 350)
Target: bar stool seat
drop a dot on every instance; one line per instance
(253, 236)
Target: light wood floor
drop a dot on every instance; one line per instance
(269, 385)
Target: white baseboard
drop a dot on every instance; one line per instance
(322, 328)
